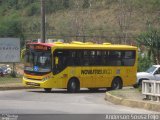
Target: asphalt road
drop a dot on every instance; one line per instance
(36, 101)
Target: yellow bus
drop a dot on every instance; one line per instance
(78, 65)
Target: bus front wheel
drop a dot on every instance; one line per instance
(47, 90)
(116, 84)
(73, 85)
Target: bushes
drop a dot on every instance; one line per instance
(10, 27)
(151, 40)
(144, 62)
(33, 9)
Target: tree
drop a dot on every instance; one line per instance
(11, 27)
(86, 4)
(66, 4)
(144, 62)
(151, 40)
(124, 17)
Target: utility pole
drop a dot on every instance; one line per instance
(43, 30)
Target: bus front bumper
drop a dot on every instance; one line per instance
(32, 83)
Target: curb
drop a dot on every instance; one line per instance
(132, 103)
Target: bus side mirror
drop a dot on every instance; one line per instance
(56, 60)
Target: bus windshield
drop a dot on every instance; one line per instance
(37, 62)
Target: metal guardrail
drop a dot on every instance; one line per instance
(151, 88)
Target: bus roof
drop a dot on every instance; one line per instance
(80, 45)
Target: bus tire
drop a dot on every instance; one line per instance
(73, 85)
(116, 84)
(47, 90)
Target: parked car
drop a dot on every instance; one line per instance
(6, 69)
(153, 73)
(1, 72)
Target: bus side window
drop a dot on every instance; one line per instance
(93, 58)
(129, 58)
(73, 58)
(79, 58)
(115, 58)
(98, 60)
(85, 58)
(104, 58)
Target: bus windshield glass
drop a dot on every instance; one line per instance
(37, 62)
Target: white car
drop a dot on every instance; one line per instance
(153, 73)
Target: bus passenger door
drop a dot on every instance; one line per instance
(59, 68)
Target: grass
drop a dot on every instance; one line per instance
(130, 93)
(10, 83)
(9, 80)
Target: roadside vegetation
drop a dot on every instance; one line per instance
(9, 80)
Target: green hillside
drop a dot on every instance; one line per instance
(116, 21)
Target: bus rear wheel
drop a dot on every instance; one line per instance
(47, 90)
(73, 85)
(116, 84)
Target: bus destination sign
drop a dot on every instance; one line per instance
(38, 47)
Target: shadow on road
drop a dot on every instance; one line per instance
(64, 91)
